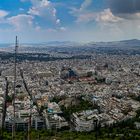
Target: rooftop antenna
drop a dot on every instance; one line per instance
(15, 79)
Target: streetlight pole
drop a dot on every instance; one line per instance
(15, 78)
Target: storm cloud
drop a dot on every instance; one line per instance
(124, 6)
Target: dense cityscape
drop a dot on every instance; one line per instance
(74, 93)
(70, 70)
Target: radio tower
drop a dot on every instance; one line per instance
(15, 79)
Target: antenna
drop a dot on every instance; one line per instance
(15, 79)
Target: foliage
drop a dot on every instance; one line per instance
(55, 99)
(106, 134)
(137, 98)
(9, 98)
(82, 105)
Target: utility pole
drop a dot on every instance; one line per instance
(15, 79)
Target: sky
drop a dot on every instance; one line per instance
(35, 21)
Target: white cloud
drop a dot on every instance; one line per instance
(83, 14)
(33, 11)
(58, 21)
(103, 16)
(45, 10)
(132, 16)
(120, 26)
(3, 13)
(122, 21)
(86, 17)
(85, 5)
(21, 22)
(107, 16)
(63, 29)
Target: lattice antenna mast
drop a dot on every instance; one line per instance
(15, 80)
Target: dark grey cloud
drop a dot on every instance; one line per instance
(124, 6)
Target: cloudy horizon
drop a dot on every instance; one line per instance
(69, 20)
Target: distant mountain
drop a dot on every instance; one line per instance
(131, 41)
(121, 44)
(54, 45)
(63, 43)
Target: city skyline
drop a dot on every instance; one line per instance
(69, 20)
